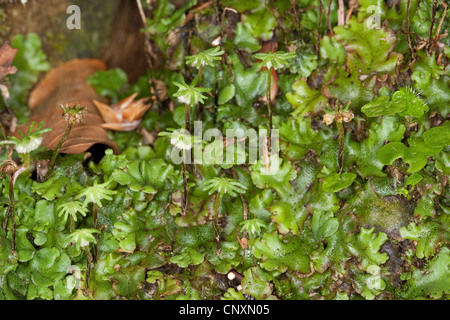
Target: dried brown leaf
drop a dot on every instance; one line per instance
(67, 85)
(125, 115)
(7, 55)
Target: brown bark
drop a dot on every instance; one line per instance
(126, 45)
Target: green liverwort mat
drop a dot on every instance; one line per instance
(349, 200)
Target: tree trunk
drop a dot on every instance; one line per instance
(126, 46)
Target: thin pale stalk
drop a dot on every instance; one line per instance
(13, 214)
(26, 160)
(245, 217)
(341, 13)
(11, 204)
(330, 30)
(141, 12)
(408, 122)
(438, 28)
(269, 107)
(198, 79)
(297, 20)
(187, 117)
(88, 269)
(216, 220)
(148, 48)
(433, 17)
(71, 224)
(280, 25)
(11, 211)
(95, 209)
(185, 185)
(341, 133)
(244, 204)
(411, 49)
(319, 29)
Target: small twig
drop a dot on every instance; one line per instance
(341, 133)
(198, 112)
(185, 185)
(141, 12)
(244, 204)
(187, 117)
(216, 6)
(269, 107)
(442, 19)
(299, 26)
(319, 29)
(222, 19)
(216, 221)
(198, 77)
(266, 154)
(88, 270)
(197, 80)
(72, 224)
(438, 29)
(330, 30)
(341, 13)
(11, 211)
(430, 32)
(234, 275)
(191, 14)
(95, 209)
(411, 49)
(147, 47)
(349, 14)
(278, 22)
